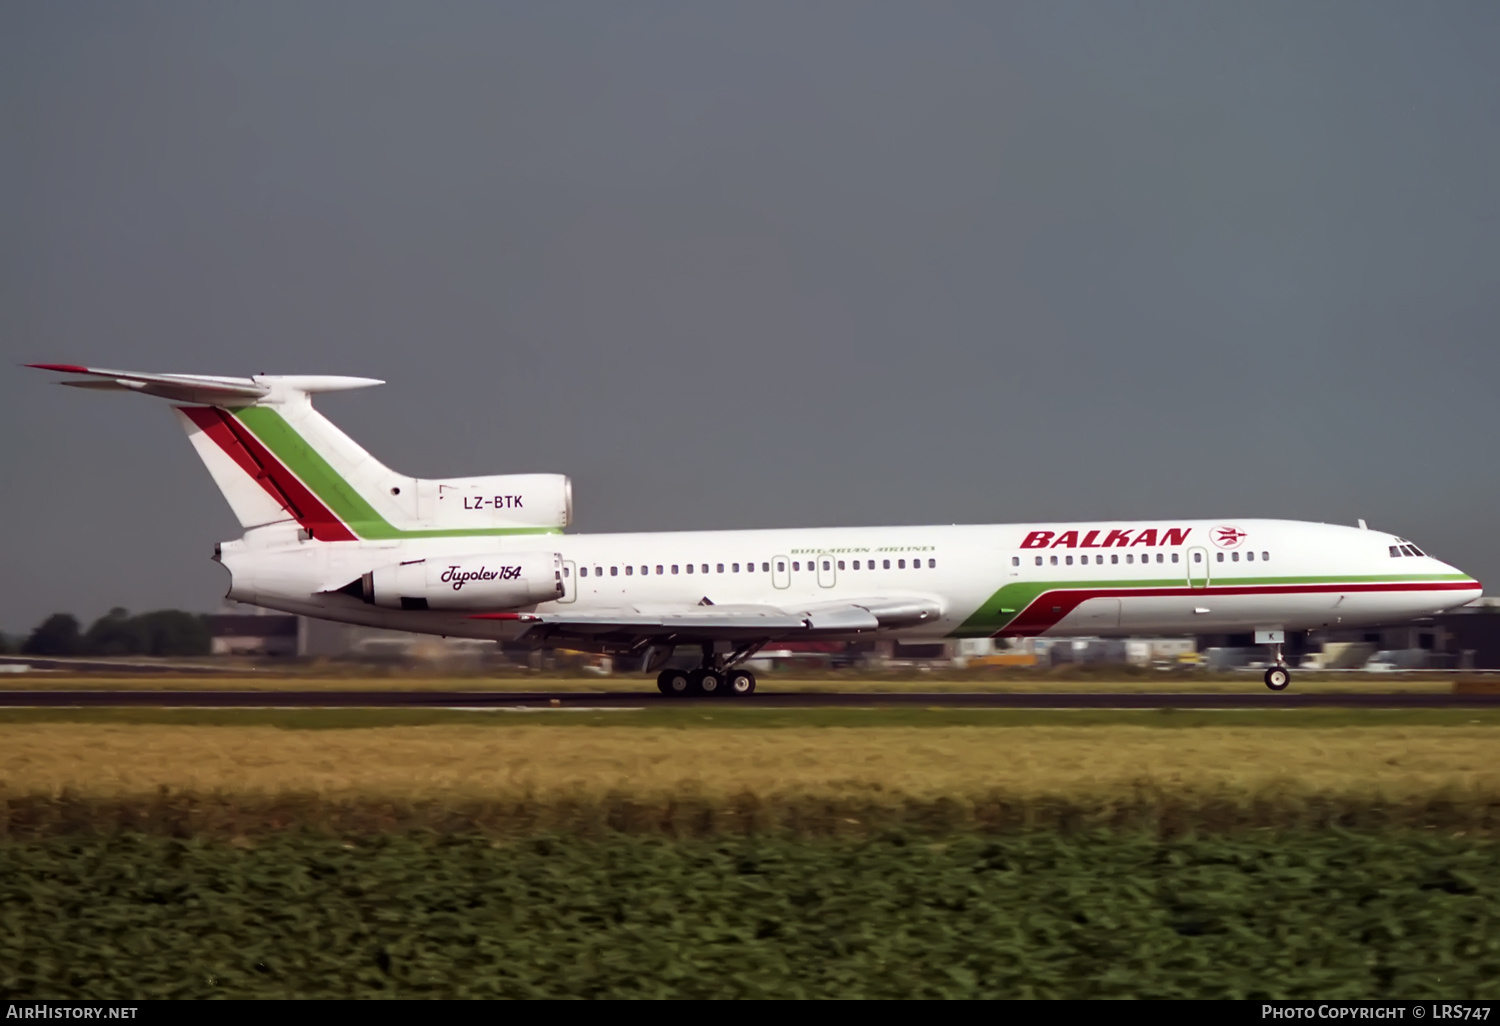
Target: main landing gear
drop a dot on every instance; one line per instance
(1278, 676)
(717, 676)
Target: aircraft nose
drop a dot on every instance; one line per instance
(1469, 589)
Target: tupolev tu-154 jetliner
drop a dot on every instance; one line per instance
(332, 533)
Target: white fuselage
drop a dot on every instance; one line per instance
(1082, 579)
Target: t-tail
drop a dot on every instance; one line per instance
(278, 461)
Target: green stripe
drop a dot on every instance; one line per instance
(1011, 600)
(338, 494)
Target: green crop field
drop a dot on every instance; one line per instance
(692, 852)
(1315, 916)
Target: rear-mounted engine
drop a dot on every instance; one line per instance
(489, 582)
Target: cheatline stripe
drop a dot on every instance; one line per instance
(295, 457)
(280, 483)
(1051, 606)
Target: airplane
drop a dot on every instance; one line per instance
(331, 533)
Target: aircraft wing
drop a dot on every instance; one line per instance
(728, 623)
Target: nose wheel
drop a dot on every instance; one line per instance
(1278, 676)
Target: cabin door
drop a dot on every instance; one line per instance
(1197, 568)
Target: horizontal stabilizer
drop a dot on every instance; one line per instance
(207, 390)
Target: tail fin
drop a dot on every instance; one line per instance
(276, 460)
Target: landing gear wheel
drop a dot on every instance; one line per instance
(1277, 678)
(740, 683)
(706, 682)
(673, 682)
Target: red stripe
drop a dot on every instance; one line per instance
(279, 482)
(66, 368)
(1049, 608)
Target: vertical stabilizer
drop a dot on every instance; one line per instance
(278, 460)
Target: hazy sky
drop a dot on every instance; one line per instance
(757, 264)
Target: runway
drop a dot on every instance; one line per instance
(500, 700)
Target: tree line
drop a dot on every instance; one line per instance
(166, 632)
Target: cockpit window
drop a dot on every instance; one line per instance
(1416, 551)
(1396, 551)
(1410, 550)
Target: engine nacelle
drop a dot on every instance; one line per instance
(504, 500)
(495, 581)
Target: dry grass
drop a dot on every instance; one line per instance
(550, 763)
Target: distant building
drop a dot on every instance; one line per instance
(244, 630)
(262, 633)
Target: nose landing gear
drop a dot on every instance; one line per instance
(1278, 676)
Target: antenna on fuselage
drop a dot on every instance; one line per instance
(1363, 526)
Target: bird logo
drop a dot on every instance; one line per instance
(1228, 537)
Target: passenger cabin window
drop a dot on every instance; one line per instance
(735, 567)
(932, 564)
(598, 571)
(749, 568)
(1197, 557)
(1015, 560)
(901, 564)
(721, 568)
(765, 568)
(1174, 557)
(780, 567)
(1114, 557)
(614, 571)
(827, 565)
(567, 572)
(796, 565)
(1249, 557)
(1219, 556)
(1068, 560)
(1234, 557)
(841, 564)
(629, 571)
(1054, 560)
(1160, 558)
(1039, 561)
(1264, 556)
(583, 571)
(658, 568)
(886, 563)
(705, 568)
(690, 568)
(674, 568)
